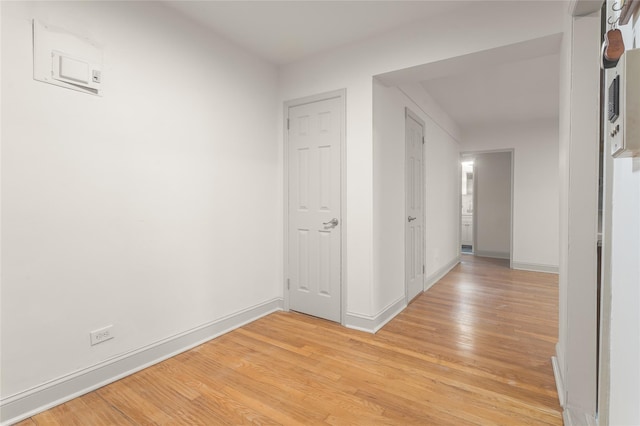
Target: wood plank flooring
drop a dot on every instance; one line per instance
(474, 350)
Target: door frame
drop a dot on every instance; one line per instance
(410, 114)
(465, 154)
(342, 95)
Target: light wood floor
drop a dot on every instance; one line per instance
(473, 350)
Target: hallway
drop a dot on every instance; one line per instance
(475, 349)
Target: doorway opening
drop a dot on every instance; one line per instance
(466, 202)
(487, 205)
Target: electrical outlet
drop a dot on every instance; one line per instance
(102, 335)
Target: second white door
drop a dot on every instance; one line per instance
(414, 194)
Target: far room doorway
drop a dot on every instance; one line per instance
(466, 202)
(489, 208)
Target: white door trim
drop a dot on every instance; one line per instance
(342, 94)
(408, 113)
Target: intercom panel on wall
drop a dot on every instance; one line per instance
(66, 60)
(623, 105)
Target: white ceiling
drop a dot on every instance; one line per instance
(286, 31)
(509, 92)
(514, 83)
(511, 83)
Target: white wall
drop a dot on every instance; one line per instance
(388, 195)
(492, 209)
(625, 281)
(106, 193)
(441, 191)
(536, 183)
(579, 142)
(153, 208)
(353, 66)
(624, 408)
(564, 134)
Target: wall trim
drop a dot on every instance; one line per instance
(494, 254)
(40, 398)
(566, 418)
(571, 416)
(535, 267)
(373, 323)
(437, 275)
(559, 382)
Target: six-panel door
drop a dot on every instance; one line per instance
(414, 193)
(314, 229)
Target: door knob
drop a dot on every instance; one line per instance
(333, 222)
(411, 218)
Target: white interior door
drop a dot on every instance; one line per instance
(315, 222)
(414, 225)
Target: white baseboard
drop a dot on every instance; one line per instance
(566, 418)
(559, 382)
(28, 403)
(373, 323)
(535, 267)
(494, 254)
(437, 275)
(571, 417)
(591, 420)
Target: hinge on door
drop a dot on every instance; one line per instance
(423, 140)
(287, 124)
(288, 284)
(423, 269)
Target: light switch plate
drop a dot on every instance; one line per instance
(66, 68)
(65, 59)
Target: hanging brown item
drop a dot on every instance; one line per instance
(612, 48)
